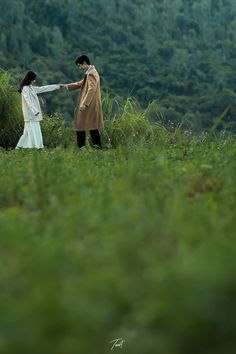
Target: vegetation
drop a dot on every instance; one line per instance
(126, 123)
(55, 132)
(11, 122)
(136, 242)
(180, 53)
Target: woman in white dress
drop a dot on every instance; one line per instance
(32, 136)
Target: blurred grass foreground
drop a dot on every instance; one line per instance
(136, 242)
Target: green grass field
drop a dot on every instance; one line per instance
(135, 243)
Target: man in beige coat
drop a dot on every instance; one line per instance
(88, 111)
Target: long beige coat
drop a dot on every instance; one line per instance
(90, 96)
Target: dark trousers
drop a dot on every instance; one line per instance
(95, 136)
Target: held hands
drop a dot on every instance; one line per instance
(62, 86)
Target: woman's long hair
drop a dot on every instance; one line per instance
(26, 81)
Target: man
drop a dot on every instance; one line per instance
(88, 112)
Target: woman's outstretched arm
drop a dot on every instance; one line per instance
(47, 88)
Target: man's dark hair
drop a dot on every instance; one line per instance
(81, 59)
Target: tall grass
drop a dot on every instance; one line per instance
(56, 132)
(11, 120)
(126, 124)
(136, 242)
(131, 242)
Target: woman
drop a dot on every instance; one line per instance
(32, 136)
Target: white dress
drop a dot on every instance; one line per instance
(32, 136)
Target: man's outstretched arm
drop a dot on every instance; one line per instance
(74, 85)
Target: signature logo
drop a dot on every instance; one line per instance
(117, 343)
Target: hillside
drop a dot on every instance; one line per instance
(135, 241)
(180, 53)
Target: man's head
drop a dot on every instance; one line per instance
(82, 62)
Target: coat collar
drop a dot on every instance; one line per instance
(91, 67)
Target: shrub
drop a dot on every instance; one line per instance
(55, 132)
(11, 121)
(128, 124)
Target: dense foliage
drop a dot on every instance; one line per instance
(133, 242)
(11, 121)
(181, 53)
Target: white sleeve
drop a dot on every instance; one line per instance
(26, 95)
(48, 88)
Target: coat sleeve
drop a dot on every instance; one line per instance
(74, 85)
(26, 94)
(48, 88)
(92, 85)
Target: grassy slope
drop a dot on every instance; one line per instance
(135, 243)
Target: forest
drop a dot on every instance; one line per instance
(179, 54)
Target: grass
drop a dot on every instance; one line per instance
(11, 122)
(136, 242)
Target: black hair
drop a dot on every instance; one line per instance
(26, 81)
(81, 59)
